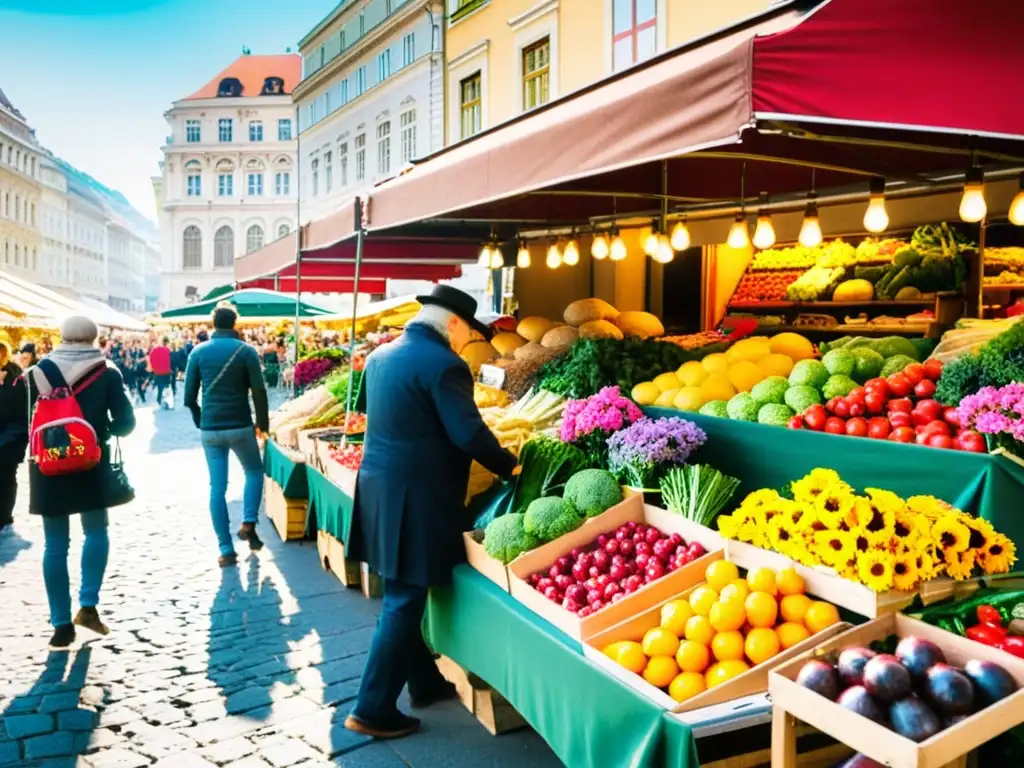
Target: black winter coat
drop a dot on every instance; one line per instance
(423, 431)
(13, 417)
(106, 407)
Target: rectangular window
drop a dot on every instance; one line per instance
(282, 184)
(284, 129)
(360, 157)
(384, 149)
(256, 130)
(255, 184)
(408, 49)
(634, 32)
(193, 132)
(343, 163)
(315, 177)
(195, 185)
(469, 105)
(328, 171)
(225, 128)
(361, 80)
(225, 185)
(343, 91)
(383, 65)
(327, 103)
(407, 121)
(536, 74)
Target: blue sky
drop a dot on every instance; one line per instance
(94, 77)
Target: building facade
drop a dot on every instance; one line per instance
(87, 238)
(371, 98)
(506, 57)
(55, 268)
(154, 265)
(20, 194)
(228, 185)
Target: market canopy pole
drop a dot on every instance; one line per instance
(298, 239)
(360, 226)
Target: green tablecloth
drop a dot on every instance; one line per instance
(764, 456)
(588, 717)
(330, 505)
(290, 475)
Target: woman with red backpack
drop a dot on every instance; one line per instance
(78, 404)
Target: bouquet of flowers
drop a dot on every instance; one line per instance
(589, 423)
(643, 451)
(879, 539)
(998, 413)
(311, 370)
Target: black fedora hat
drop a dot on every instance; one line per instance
(459, 303)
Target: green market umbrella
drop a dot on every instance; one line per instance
(219, 292)
(251, 304)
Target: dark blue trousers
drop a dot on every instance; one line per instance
(398, 655)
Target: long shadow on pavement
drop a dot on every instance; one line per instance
(11, 545)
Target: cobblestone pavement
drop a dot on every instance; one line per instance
(248, 667)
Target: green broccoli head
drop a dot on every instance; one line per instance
(774, 414)
(505, 538)
(839, 362)
(742, 407)
(895, 364)
(889, 346)
(717, 408)
(801, 398)
(770, 390)
(838, 386)
(810, 373)
(549, 517)
(592, 491)
(868, 364)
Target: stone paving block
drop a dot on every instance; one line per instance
(118, 715)
(103, 738)
(326, 732)
(55, 702)
(228, 751)
(117, 758)
(247, 699)
(23, 726)
(51, 745)
(199, 696)
(208, 710)
(249, 762)
(93, 695)
(287, 753)
(76, 720)
(163, 714)
(184, 760)
(162, 742)
(373, 755)
(10, 753)
(59, 762)
(20, 705)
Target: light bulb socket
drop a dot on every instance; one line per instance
(974, 177)
(1020, 182)
(876, 186)
(811, 210)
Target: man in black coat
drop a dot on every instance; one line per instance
(13, 432)
(423, 432)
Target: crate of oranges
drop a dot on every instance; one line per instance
(717, 640)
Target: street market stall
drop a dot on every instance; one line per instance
(252, 305)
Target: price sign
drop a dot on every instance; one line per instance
(492, 376)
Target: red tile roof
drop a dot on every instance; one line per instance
(251, 71)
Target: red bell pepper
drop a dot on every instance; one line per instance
(1013, 644)
(990, 616)
(987, 635)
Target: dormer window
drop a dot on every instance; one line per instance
(272, 86)
(229, 86)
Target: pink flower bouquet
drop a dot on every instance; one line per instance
(589, 423)
(996, 413)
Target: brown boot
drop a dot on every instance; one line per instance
(89, 618)
(248, 533)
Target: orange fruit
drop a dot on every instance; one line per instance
(735, 589)
(693, 656)
(661, 670)
(674, 616)
(629, 654)
(701, 600)
(761, 644)
(791, 633)
(762, 610)
(699, 629)
(727, 646)
(660, 642)
(793, 607)
(720, 573)
(727, 615)
(789, 582)
(687, 685)
(724, 671)
(820, 615)
(762, 580)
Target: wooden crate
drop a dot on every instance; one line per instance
(487, 705)
(332, 557)
(950, 747)
(751, 748)
(479, 560)
(371, 584)
(287, 515)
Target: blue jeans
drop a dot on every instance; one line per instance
(398, 655)
(217, 444)
(55, 562)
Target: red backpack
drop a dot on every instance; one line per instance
(61, 441)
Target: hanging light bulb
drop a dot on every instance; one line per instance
(599, 247)
(1017, 206)
(810, 230)
(554, 259)
(764, 232)
(651, 241)
(739, 235)
(485, 256)
(876, 219)
(571, 254)
(680, 240)
(523, 256)
(972, 204)
(497, 258)
(664, 253)
(618, 248)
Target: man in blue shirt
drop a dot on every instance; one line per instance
(227, 369)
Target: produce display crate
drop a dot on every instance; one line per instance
(370, 582)
(331, 553)
(480, 561)
(630, 509)
(488, 706)
(792, 702)
(287, 515)
(343, 477)
(749, 683)
(308, 440)
(751, 748)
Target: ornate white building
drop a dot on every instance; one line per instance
(87, 237)
(371, 98)
(20, 193)
(228, 184)
(55, 269)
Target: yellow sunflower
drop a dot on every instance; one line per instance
(849, 571)
(728, 526)
(802, 554)
(834, 505)
(815, 483)
(885, 499)
(835, 548)
(960, 565)
(747, 531)
(999, 555)
(930, 506)
(906, 530)
(768, 511)
(861, 542)
(880, 528)
(981, 532)
(927, 568)
(801, 515)
(780, 534)
(760, 497)
(875, 570)
(905, 575)
(950, 534)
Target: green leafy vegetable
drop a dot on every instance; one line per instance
(506, 538)
(697, 492)
(550, 517)
(547, 466)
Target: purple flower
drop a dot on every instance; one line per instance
(994, 411)
(639, 452)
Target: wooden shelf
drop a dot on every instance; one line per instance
(753, 305)
(851, 330)
(1003, 287)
